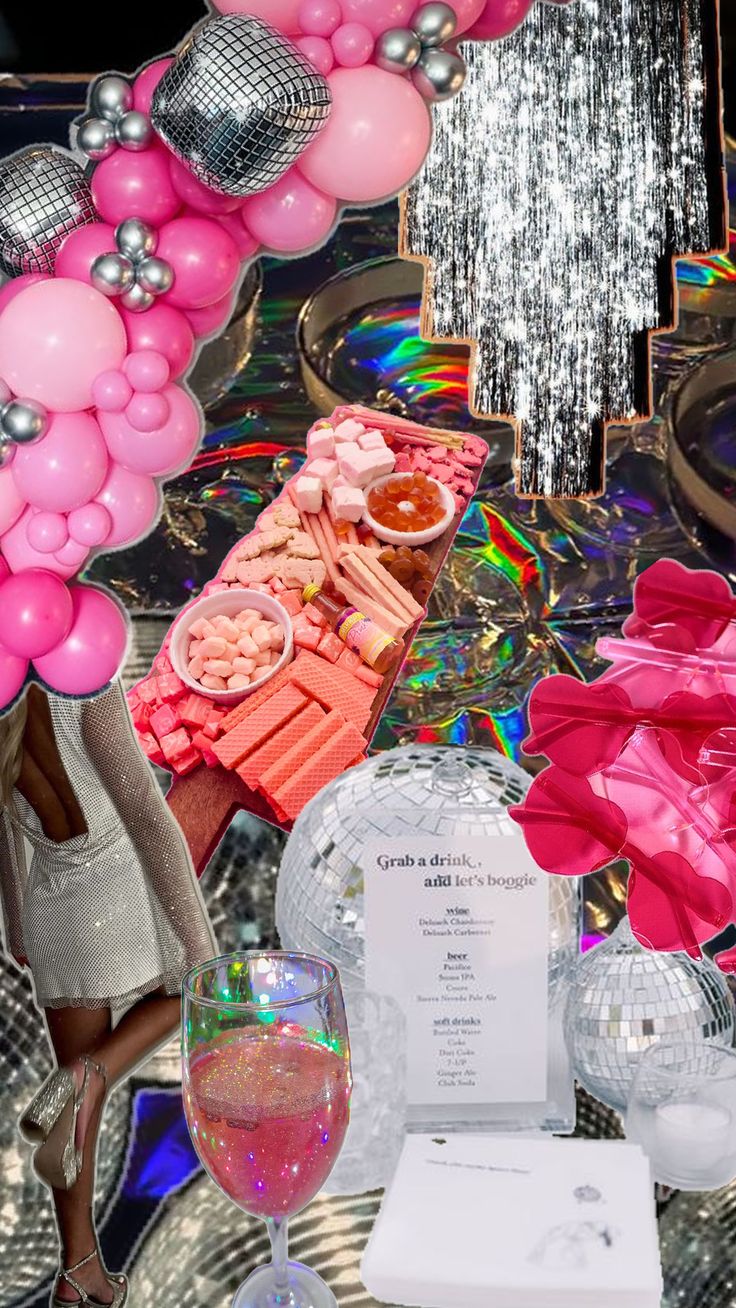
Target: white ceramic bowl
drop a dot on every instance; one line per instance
(410, 537)
(228, 602)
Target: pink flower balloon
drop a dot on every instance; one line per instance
(133, 503)
(66, 468)
(55, 337)
(159, 452)
(379, 15)
(375, 139)
(196, 194)
(205, 322)
(205, 260)
(146, 82)
(12, 288)
(37, 612)
(12, 503)
(498, 18)
(165, 329)
(127, 185)
(291, 215)
(13, 672)
(89, 525)
(93, 651)
(47, 532)
(80, 249)
(283, 14)
(20, 554)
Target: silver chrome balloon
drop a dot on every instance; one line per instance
(111, 96)
(133, 131)
(96, 138)
(133, 271)
(23, 421)
(136, 239)
(154, 275)
(434, 23)
(7, 452)
(44, 195)
(439, 74)
(112, 273)
(136, 299)
(397, 50)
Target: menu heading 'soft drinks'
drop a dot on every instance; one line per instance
(457, 932)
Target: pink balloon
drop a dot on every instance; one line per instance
(55, 338)
(319, 17)
(159, 452)
(207, 321)
(111, 391)
(352, 45)
(148, 411)
(127, 185)
(89, 525)
(195, 193)
(466, 13)
(162, 328)
(498, 18)
(94, 649)
(146, 82)
(247, 245)
(318, 51)
(12, 288)
(64, 469)
(72, 555)
(20, 554)
(379, 15)
(146, 370)
(291, 215)
(133, 502)
(37, 612)
(282, 14)
(375, 139)
(13, 672)
(80, 249)
(4, 570)
(12, 503)
(205, 260)
(47, 532)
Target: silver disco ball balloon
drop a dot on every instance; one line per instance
(623, 998)
(44, 195)
(697, 1240)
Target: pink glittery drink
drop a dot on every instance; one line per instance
(266, 1079)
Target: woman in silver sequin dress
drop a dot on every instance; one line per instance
(108, 917)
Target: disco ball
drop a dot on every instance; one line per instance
(697, 1239)
(28, 1241)
(623, 998)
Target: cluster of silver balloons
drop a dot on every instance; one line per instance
(133, 271)
(21, 423)
(437, 74)
(113, 120)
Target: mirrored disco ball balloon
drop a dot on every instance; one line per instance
(239, 104)
(697, 1239)
(623, 998)
(28, 1240)
(44, 195)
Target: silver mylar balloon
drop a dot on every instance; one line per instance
(111, 97)
(240, 104)
(397, 50)
(133, 131)
(96, 138)
(154, 275)
(439, 75)
(137, 299)
(135, 239)
(7, 452)
(112, 274)
(434, 23)
(44, 195)
(23, 421)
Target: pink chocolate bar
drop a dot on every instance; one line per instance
(301, 752)
(337, 754)
(255, 729)
(262, 759)
(333, 687)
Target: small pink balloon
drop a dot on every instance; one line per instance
(89, 525)
(12, 288)
(498, 18)
(319, 17)
(37, 612)
(64, 469)
(159, 452)
(20, 554)
(47, 532)
(111, 391)
(352, 45)
(379, 15)
(13, 672)
(318, 51)
(146, 82)
(196, 194)
(146, 370)
(94, 649)
(55, 338)
(282, 14)
(80, 249)
(291, 215)
(12, 502)
(133, 503)
(129, 184)
(205, 322)
(148, 411)
(205, 260)
(375, 139)
(72, 555)
(165, 329)
(466, 13)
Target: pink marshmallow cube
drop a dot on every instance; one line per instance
(196, 628)
(211, 682)
(246, 666)
(348, 503)
(165, 720)
(348, 430)
(325, 469)
(247, 646)
(371, 440)
(170, 687)
(321, 443)
(219, 668)
(195, 668)
(238, 681)
(308, 494)
(212, 647)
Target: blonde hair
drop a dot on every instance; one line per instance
(12, 726)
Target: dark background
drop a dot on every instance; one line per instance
(89, 36)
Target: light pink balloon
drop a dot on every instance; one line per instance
(162, 328)
(55, 337)
(133, 502)
(205, 260)
(146, 82)
(66, 468)
(319, 17)
(498, 18)
(291, 215)
(207, 321)
(128, 185)
(318, 51)
(12, 288)
(93, 651)
(378, 15)
(12, 503)
(13, 672)
(146, 370)
(282, 14)
(89, 525)
(194, 193)
(352, 45)
(111, 391)
(47, 532)
(73, 554)
(20, 554)
(159, 452)
(148, 411)
(37, 612)
(80, 249)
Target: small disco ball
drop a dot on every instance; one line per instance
(44, 195)
(623, 998)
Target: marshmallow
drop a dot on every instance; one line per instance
(321, 443)
(363, 466)
(348, 430)
(325, 469)
(371, 440)
(308, 494)
(348, 503)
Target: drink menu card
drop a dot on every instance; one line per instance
(457, 931)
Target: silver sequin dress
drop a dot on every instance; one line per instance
(106, 917)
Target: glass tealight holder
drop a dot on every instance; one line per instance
(682, 1111)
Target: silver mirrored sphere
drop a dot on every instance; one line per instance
(434, 23)
(133, 131)
(24, 421)
(112, 274)
(397, 50)
(136, 239)
(7, 452)
(96, 138)
(439, 74)
(44, 195)
(155, 275)
(111, 97)
(136, 299)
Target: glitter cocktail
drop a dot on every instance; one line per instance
(266, 1080)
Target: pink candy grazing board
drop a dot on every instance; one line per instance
(251, 755)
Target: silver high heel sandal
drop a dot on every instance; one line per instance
(57, 1161)
(118, 1285)
(46, 1107)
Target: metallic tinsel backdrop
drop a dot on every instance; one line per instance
(582, 155)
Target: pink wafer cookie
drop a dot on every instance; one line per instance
(232, 748)
(262, 758)
(254, 701)
(329, 761)
(301, 752)
(333, 687)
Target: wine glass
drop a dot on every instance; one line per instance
(266, 1082)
